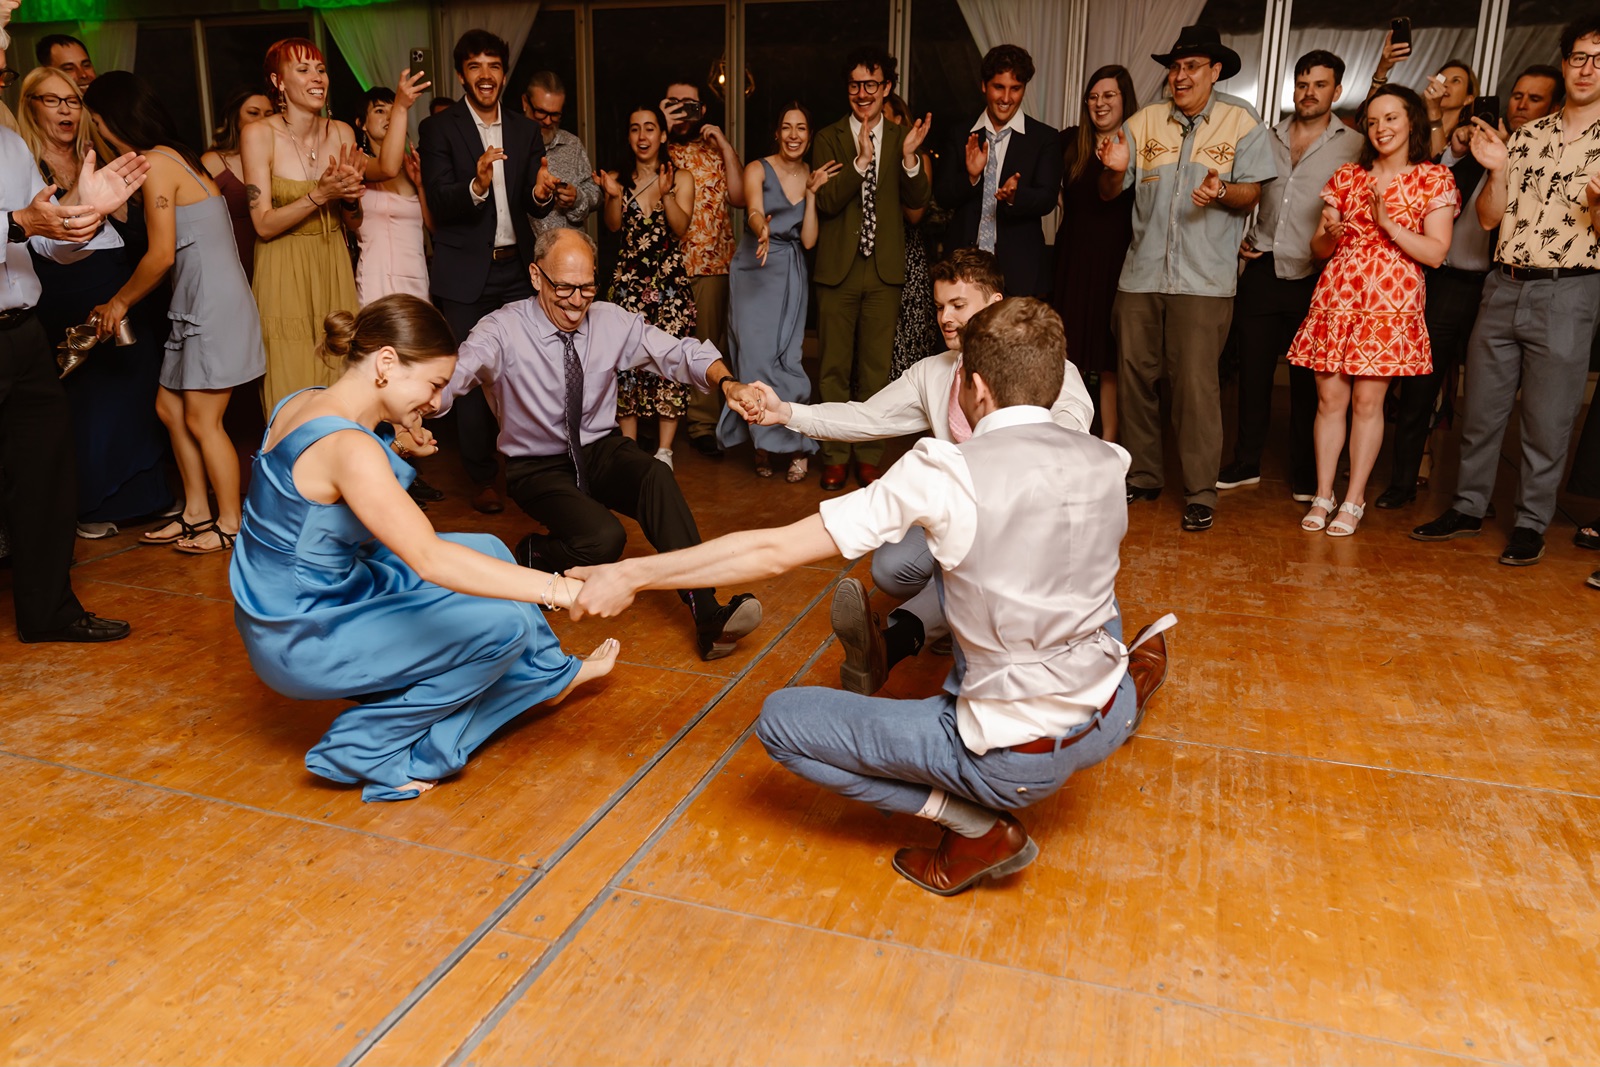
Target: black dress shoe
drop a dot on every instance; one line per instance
(1139, 492)
(423, 493)
(706, 445)
(717, 635)
(1197, 517)
(1526, 548)
(88, 628)
(1396, 497)
(529, 557)
(1448, 527)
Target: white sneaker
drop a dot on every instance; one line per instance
(665, 456)
(95, 531)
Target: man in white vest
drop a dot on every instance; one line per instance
(922, 400)
(1043, 685)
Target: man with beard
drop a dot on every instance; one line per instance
(576, 192)
(697, 146)
(484, 172)
(1280, 273)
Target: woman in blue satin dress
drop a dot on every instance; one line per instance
(343, 590)
(767, 289)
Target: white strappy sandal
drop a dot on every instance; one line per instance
(1340, 527)
(1316, 523)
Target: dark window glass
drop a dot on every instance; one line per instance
(235, 52)
(552, 45)
(164, 57)
(944, 70)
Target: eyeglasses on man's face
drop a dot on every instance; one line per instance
(866, 87)
(1579, 60)
(565, 290)
(1188, 66)
(50, 100)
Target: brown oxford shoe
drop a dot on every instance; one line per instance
(833, 476)
(959, 861)
(1147, 665)
(488, 501)
(866, 474)
(859, 631)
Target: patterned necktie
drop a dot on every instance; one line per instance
(869, 203)
(574, 420)
(991, 186)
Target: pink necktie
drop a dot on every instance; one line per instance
(960, 429)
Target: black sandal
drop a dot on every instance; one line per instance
(1588, 536)
(224, 541)
(185, 531)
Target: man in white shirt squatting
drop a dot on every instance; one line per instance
(1042, 684)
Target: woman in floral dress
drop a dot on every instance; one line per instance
(1385, 216)
(652, 209)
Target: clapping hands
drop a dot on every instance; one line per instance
(345, 176)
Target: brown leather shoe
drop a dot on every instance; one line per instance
(959, 861)
(488, 501)
(866, 662)
(866, 474)
(833, 476)
(1147, 665)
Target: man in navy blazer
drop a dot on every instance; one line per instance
(1002, 176)
(484, 172)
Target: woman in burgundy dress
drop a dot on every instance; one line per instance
(1093, 238)
(249, 104)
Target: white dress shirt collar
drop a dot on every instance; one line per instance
(1017, 123)
(1015, 415)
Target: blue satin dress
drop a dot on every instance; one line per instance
(328, 612)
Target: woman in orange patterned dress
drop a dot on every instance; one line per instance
(1386, 215)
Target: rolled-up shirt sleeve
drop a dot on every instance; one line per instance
(930, 487)
(684, 360)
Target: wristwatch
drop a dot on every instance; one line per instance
(1224, 188)
(724, 380)
(15, 233)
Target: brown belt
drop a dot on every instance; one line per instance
(1053, 744)
(504, 252)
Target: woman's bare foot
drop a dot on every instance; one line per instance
(420, 786)
(596, 664)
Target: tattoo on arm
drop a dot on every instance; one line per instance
(252, 194)
(162, 203)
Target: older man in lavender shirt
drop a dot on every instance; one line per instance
(551, 364)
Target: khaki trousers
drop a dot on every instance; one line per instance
(710, 324)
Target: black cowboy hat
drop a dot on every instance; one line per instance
(1203, 41)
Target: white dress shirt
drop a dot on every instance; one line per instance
(19, 184)
(492, 134)
(1017, 126)
(877, 150)
(932, 486)
(919, 401)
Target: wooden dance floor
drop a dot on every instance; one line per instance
(1361, 825)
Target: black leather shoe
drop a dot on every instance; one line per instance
(717, 635)
(706, 445)
(1197, 517)
(1236, 474)
(1448, 527)
(526, 555)
(86, 629)
(423, 493)
(1396, 497)
(1526, 548)
(866, 663)
(1139, 492)
(1594, 580)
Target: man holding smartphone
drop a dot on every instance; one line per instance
(576, 193)
(699, 147)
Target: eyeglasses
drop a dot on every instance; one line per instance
(8, 77)
(564, 290)
(1579, 60)
(540, 114)
(52, 100)
(869, 87)
(1188, 66)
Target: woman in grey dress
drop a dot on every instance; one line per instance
(215, 343)
(767, 288)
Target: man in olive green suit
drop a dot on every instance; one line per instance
(861, 246)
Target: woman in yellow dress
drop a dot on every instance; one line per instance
(304, 177)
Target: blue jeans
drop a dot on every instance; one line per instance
(904, 570)
(892, 753)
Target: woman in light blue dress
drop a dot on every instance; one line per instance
(343, 590)
(767, 289)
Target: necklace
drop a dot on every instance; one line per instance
(312, 156)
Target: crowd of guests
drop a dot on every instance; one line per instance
(1397, 254)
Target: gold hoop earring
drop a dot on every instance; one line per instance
(380, 381)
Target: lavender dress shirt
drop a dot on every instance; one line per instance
(516, 354)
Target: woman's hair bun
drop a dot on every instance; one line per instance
(338, 338)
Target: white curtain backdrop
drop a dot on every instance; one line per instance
(1035, 25)
(1525, 46)
(509, 19)
(1430, 49)
(1131, 31)
(111, 44)
(377, 41)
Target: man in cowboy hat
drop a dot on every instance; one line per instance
(1197, 162)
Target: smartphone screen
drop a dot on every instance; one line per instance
(1400, 31)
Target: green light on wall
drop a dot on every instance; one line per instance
(62, 11)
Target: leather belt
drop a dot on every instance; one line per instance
(1544, 274)
(11, 318)
(1054, 744)
(504, 252)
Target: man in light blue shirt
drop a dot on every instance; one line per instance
(1197, 163)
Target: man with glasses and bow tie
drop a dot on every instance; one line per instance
(861, 247)
(551, 362)
(1003, 176)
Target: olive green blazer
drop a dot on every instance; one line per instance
(839, 204)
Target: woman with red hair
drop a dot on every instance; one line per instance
(304, 177)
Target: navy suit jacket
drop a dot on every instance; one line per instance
(1035, 156)
(463, 235)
